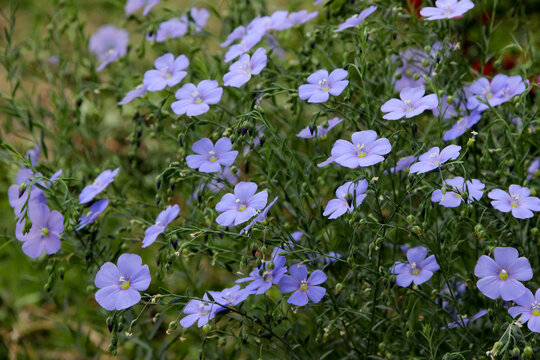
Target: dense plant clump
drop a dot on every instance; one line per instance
(244, 179)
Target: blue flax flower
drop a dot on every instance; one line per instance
(304, 288)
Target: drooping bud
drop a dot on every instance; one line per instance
(110, 323)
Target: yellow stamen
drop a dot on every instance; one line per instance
(125, 284)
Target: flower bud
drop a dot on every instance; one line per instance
(410, 219)
(416, 229)
(339, 287)
(207, 328)
(172, 326)
(110, 323)
(27, 226)
(528, 352)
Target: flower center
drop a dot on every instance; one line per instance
(535, 308)
(203, 308)
(44, 231)
(268, 276)
(361, 154)
(515, 200)
(246, 67)
(503, 275)
(303, 285)
(124, 284)
(324, 85)
(213, 158)
(242, 207)
(409, 107)
(415, 270)
(197, 99)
